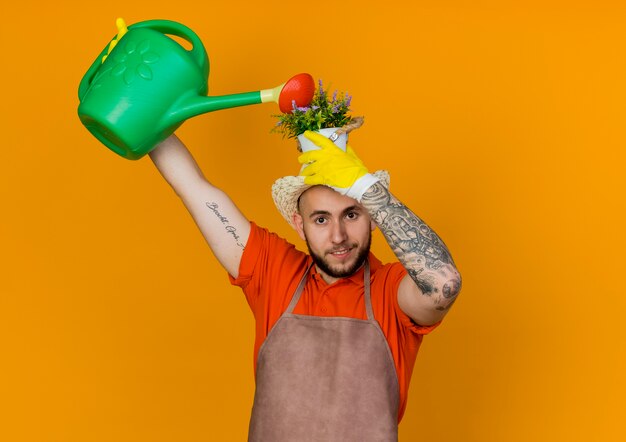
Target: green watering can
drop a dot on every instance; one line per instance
(144, 85)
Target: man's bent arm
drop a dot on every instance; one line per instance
(433, 282)
(224, 227)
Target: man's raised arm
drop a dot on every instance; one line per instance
(434, 280)
(224, 227)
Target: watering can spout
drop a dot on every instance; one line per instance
(194, 105)
(298, 89)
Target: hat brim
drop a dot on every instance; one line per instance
(287, 190)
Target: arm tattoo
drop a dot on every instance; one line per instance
(416, 245)
(213, 207)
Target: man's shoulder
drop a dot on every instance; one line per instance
(265, 242)
(380, 268)
(268, 260)
(263, 235)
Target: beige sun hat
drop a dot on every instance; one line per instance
(287, 190)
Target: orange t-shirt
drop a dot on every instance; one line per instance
(271, 269)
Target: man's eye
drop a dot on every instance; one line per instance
(320, 220)
(352, 215)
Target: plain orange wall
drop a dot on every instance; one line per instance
(502, 127)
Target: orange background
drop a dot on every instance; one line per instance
(502, 127)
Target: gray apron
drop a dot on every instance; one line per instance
(325, 379)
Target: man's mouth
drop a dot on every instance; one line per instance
(341, 253)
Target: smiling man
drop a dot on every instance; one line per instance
(337, 232)
(337, 331)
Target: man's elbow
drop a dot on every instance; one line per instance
(449, 288)
(426, 302)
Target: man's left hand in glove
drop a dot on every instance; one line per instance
(331, 166)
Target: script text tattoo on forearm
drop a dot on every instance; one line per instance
(230, 229)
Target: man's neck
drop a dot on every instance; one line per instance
(325, 276)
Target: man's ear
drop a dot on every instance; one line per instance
(298, 222)
(372, 225)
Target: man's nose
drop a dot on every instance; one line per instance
(338, 233)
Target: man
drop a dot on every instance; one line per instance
(337, 332)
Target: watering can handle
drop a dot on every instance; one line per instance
(198, 52)
(90, 74)
(174, 28)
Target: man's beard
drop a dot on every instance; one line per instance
(358, 262)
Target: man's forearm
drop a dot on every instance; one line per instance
(175, 163)
(421, 251)
(224, 227)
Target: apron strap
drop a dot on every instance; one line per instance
(368, 298)
(296, 296)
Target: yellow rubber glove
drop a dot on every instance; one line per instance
(331, 166)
